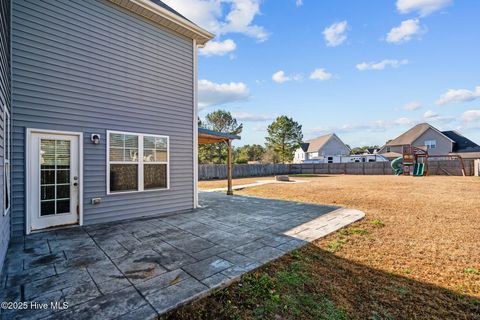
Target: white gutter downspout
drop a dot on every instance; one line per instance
(195, 125)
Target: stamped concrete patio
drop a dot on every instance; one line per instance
(143, 268)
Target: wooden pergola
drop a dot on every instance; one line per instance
(206, 136)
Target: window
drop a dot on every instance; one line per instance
(6, 162)
(431, 144)
(137, 162)
(388, 149)
(330, 159)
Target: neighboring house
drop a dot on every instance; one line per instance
(437, 143)
(104, 112)
(463, 146)
(321, 149)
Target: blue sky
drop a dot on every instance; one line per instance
(381, 65)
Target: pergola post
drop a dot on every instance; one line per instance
(229, 167)
(206, 136)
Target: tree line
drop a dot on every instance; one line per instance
(284, 136)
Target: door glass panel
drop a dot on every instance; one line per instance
(63, 191)
(54, 177)
(48, 193)
(48, 177)
(63, 176)
(63, 206)
(48, 208)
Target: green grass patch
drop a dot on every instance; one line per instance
(335, 245)
(407, 271)
(472, 271)
(353, 230)
(282, 294)
(377, 222)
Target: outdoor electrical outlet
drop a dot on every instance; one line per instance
(96, 200)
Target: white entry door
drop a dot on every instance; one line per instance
(54, 180)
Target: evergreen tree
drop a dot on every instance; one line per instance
(284, 137)
(220, 121)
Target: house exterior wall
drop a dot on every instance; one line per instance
(4, 103)
(385, 149)
(444, 145)
(334, 147)
(89, 66)
(299, 156)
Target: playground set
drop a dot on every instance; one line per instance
(414, 161)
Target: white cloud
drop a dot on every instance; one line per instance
(405, 122)
(223, 16)
(381, 65)
(281, 77)
(218, 48)
(429, 114)
(252, 117)
(432, 116)
(458, 96)
(423, 7)
(414, 105)
(320, 74)
(405, 31)
(298, 3)
(471, 116)
(335, 34)
(212, 94)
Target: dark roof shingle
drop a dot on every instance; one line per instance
(167, 7)
(462, 143)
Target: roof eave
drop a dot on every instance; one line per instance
(167, 19)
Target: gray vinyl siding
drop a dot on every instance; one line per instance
(90, 66)
(444, 145)
(4, 103)
(385, 149)
(334, 147)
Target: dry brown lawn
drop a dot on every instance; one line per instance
(431, 225)
(415, 255)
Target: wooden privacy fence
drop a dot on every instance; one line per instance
(219, 171)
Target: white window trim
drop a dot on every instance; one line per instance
(139, 163)
(7, 129)
(429, 144)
